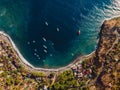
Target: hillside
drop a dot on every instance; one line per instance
(99, 71)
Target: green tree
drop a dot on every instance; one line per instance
(9, 81)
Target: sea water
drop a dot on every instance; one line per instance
(46, 31)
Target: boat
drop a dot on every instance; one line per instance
(45, 46)
(46, 23)
(28, 43)
(51, 55)
(39, 58)
(35, 54)
(45, 51)
(78, 32)
(35, 50)
(44, 39)
(34, 41)
(52, 43)
(58, 29)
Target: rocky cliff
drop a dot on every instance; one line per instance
(107, 59)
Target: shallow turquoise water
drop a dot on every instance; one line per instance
(45, 31)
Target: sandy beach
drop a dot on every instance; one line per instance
(29, 66)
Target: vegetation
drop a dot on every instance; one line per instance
(99, 72)
(65, 81)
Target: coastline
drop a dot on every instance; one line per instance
(31, 67)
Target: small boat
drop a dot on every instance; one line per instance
(51, 55)
(28, 43)
(35, 50)
(58, 29)
(44, 39)
(34, 41)
(46, 23)
(72, 54)
(52, 43)
(78, 32)
(35, 54)
(39, 58)
(45, 46)
(45, 51)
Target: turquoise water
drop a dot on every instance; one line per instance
(45, 31)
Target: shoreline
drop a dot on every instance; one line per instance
(31, 67)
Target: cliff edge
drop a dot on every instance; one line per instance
(107, 59)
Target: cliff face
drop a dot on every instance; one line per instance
(107, 60)
(108, 35)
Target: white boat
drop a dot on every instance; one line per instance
(35, 54)
(58, 29)
(45, 46)
(35, 50)
(52, 43)
(51, 55)
(45, 51)
(44, 39)
(28, 43)
(34, 41)
(39, 58)
(46, 23)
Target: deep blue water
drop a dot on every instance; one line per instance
(45, 31)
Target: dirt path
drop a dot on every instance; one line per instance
(54, 78)
(115, 42)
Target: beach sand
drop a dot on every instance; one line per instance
(30, 67)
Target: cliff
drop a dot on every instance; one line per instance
(107, 59)
(97, 71)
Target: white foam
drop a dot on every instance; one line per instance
(25, 62)
(16, 49)
(51, 55)
(3, 12)
(72, 54)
